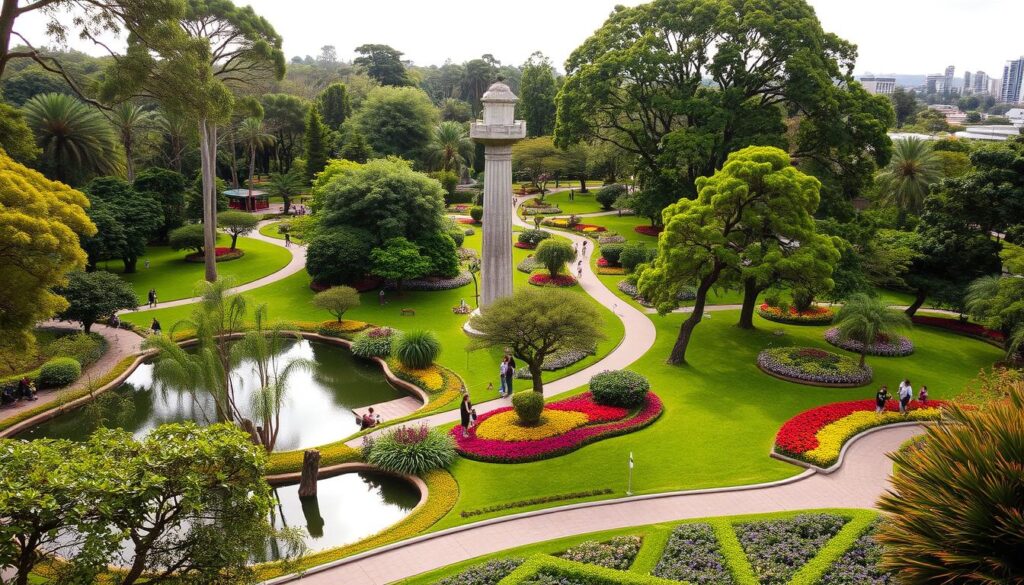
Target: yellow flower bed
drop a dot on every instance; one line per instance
(344, 326)
(430, 379)
(833, 436)
(506, 426)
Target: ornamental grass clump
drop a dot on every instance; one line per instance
(373, 343)
(529, 405)
(417, 349)
(619, 388)
(410, 450)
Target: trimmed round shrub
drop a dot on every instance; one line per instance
(607, 195)
(554, 254)
(458, 236)
(59, 372)
(410, 450)
(528, 406)
(533, 237)
(619, 388)
(189, 237)
(338, 256)
(86, 348)
(477, 213)
(373, 343)
(417, 349)
(635, 254)
(612, 253)
(441, 250)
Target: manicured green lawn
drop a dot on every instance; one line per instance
(721, 415)
(270, 230)
(290, 299)
(174, 278)
(581, 202)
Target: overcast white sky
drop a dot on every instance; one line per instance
(893, 36)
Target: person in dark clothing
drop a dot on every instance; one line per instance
(465, 414)
(25, 390)
(156, 327)
(880, 398)
(510, 373)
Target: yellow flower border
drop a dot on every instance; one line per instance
(505, 426)
(833, 436)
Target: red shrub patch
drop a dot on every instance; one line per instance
(223, 255)
(959, 326)
(562, 280)
(524, 246)
(466, 220)
(648, 230)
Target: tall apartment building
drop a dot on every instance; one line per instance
(980, 84)
(935, 83)
(878, 85)
(1013, 74)
(949, 78)
(968, 88)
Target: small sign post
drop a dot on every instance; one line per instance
(629, 486)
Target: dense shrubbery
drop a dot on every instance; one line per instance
(608, 194)
(634, 254)
(59, 372)
(338, 256)
(439, 249)
(612, 253)
(533, 237)
(477, 213)
(374, 343)
(417, 349)
(619, 388)
(410, 450)
(528, 405)
(85, 348)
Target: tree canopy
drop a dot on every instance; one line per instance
(96, 295)
(383, 64)
(335, 106)
(537, 90)
(139, 215)
(397, 121)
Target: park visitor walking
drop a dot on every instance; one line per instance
(465, 414)
(155, 326)
(287, 240)
(510, 373)
(922, 395)
(880, 398)
(906, 394)
(151, 296)
(502, 370)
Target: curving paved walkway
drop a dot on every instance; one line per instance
(639, 337)
(862, 478)
(121, 343)
(297, 264)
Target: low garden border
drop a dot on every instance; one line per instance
(896, 346)
(823, 316)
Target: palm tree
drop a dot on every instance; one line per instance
(864, 319)
(176, 131)
(450, 147)
(285, 186)
(914, 168)
(253, 136)
(75, 138)
(130, 121)
(980, 292)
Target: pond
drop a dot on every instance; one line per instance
(317, 406)
(347, 508)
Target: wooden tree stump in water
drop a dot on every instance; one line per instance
(310, 471)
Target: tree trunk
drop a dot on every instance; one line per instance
(234, 241)
(287, 203)
(129, 264)
(87, 326)
(252, 167)
(922, 294)
(750, 292)
(678, 355)
(535, 373)
(583, 185)
(863, 355)
(310, 472)
(129, 164)
(208, 151)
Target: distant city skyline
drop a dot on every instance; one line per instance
(905, 37)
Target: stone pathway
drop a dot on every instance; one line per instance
(121, 343)
(862, 478)
(639, 337)
(297, 264)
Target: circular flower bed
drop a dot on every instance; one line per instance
(562, 280)
(438, 283)
(598, 422)
(812, 316)
(896, 346)
(223, 255)
(525, 246)
(813, 366)
(817, 436)
(528, 265)
(648, 230)
(611, 239)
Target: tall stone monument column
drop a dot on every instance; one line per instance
(498, 131)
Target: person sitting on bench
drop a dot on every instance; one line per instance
(368, 420)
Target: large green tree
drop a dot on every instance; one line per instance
(755, 194)
(992, 195)
(904, 105)
(998, 302)
(450, 148)
(16, 137)
(77, 141)
(910, 175)
(537, 91)
(132, 123)
(383, 64)
(682, 83)
(397, 121)
(316, 144)
(335, 106)
(168, 188)
(139, 215)
(285, 118)
(96, 295)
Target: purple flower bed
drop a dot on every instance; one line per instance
(432, 283)
(896, 346)
(860, 564)
(556, 361)
(617, 553)
(692, 555)
(813, 365)
(685, 294)
(489, 573)
(528, 265)
(778, 548)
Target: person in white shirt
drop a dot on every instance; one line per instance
(906, 394)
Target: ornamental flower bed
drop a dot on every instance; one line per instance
(602, 422)
(528, 265)
(812, 365)
(525, 246)
(648, 230)
(778, 548)
(223, 255)
(460, 207)
(343, 328)
(466, 220)
(896, 346)
(438, 283)
(618, 553)
(541, 210)
(605, 267)
(817, 436)
(556, 361)
(586, 228)
(562, 280)
(693, 555)
(789, 315)
(611, 239)
(861, 564)
(962, 327)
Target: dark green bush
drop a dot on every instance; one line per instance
(607, 195)
(417, 349)
(440, 249)
(619, 388)
(533, 237)
(86, 348)
(612, 253)
(528, 405)
(338, 255)
(634, 254)
(477, 213)
(59, 372)
(458, 236)
(410, 450)
(189, 237)
(373, 343)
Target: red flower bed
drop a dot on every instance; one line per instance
(813, 316)
(466, 220)
(799, 434)
(602, 263)
(524, 246)
(648, 230)
(959, 326)
(496, 451)
(222, 254)
(562, 280)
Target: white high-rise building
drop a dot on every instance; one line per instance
(949, 79)
(980, 82)
(968, 88)
(875, 85)
(1013, 75)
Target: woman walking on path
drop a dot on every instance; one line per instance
(880, 398)
(502, 370)
(906, 393)
(510, 373)
(465, 414)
